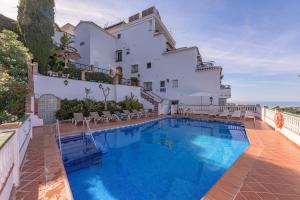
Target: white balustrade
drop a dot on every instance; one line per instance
(11, 156)
(6, 159)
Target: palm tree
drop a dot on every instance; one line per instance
(66, 50)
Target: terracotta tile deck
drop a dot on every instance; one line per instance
(268, 170)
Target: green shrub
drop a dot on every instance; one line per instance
(6, 117)
(13, 77)
(98, 77)
(130, 103)
(68, 107)
(74, 73)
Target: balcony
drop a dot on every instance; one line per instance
(205, 66)
(225, 91)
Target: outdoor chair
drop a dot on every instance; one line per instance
(146, 114)
(77, 118)
(237, 114)
(122, 116)
(129, 114)
(225, 113)
(249, 115)
(110, 117)
(96, 117)
(138, 113)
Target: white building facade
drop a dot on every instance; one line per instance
(143, 48)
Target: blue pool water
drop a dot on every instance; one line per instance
(172, 158)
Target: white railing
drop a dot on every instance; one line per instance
(291, 125)
(11, 156)
(6, 165)
(205, 109)
(58, 136)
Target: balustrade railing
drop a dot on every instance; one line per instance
(203, 109)
(6, 159)
(12, 153)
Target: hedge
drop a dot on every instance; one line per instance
(98, 77)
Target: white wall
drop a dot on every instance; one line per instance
(102, 48)
(82, 34)
(76, 89)
(147, 46)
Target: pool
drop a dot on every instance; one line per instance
(171, 158)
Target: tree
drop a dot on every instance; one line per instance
(66, 51)
(105, 92)
(36, 25)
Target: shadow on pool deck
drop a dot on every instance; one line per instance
(268, 169)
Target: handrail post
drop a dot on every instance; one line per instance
(59, 138)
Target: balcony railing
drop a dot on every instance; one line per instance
(206, 66)
(225, 87)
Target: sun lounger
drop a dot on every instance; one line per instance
(146, 114)
(139, 114)
(249, 115)
(77, 118)
(237, 114)
(96, 117)
(225, 113)
(110, 117)
(129, 114)
(122, 116)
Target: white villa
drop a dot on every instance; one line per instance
(144, 48)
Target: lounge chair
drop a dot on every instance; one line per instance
(129, 114)
(214, 112)
(122, 116)
(96, 117)
(138, 113)
(146, 114)
(225, 113)
(187, 112)
(77, 118)
(237, 114)
(110, 117)
(249, 115)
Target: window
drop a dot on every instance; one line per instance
(148, 65)
(162, 84)
(134, 68)
(81, 43)
(148, 86)
(118, 55)
(119, 36)
(174, 83)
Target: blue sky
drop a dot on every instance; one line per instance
(256, 41)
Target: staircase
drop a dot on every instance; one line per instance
(152, 98)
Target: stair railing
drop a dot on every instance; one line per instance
(58, 136)
(90, 133)
(152, 95)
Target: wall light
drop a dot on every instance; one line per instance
(66, 82)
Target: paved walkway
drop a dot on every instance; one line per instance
(42, 173)
(268, 170)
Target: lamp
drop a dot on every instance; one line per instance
(66, 82)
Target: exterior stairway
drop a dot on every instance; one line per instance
(152, 98)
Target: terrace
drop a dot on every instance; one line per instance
(268, 169)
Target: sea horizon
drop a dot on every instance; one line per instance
(271, 103)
